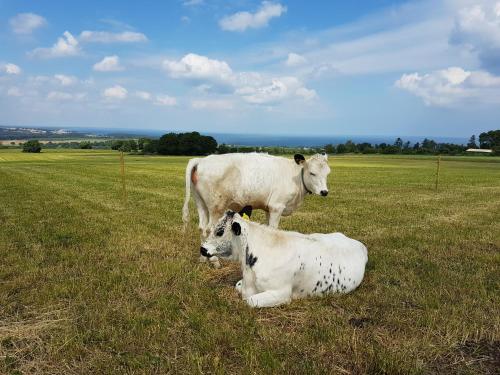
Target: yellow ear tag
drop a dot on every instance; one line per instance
(246, 217)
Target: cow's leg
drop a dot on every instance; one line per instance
(275, 216)
(202, 211)
(239, 286)
(270, 298)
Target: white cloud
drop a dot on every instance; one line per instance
(165, 100)
(275, 91)
(448, 87)
(193, 66)
(109, 37)
(478, 29)
(14, 91)
(11, 69)
(253, 87)
(59, 96)
(26, 23)
(65, 80)
(212, 104)
(108, 64)
(307, 94)
(244, 20)
(115, 92)
(65, 96)
(67, 45)
(144, 95)
(295, 60)
(190, 3)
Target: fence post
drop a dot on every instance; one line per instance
(122, 173)
(438, 166)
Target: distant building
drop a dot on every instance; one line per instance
(484, 150)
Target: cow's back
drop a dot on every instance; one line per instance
(244, 179)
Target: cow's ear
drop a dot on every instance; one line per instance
(299, 158)
(246, 210)
(236, 228)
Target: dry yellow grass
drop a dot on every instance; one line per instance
(92, 284)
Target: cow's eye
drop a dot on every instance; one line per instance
(312, 174)
(220, 232)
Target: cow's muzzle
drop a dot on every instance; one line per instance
(324, 193)
(204, 252)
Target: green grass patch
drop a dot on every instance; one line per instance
(90, 283)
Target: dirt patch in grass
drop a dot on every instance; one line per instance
(470, 357)
(24, 340)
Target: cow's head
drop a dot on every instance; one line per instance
(220, 241)
(314, 173)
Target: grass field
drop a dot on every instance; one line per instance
(90, 283)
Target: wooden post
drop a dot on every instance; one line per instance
(437, 171)
(122, 172)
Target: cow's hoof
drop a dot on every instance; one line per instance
(238, 286)
(215, 262)
(202, 259)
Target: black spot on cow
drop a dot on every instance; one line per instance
(317, 283)
(330, 270)
(250, 259)
(246, 210)
(299, 158)
(236, 228)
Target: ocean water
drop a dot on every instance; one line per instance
(271, 139)
(297, 140)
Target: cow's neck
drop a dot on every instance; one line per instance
(303, 182)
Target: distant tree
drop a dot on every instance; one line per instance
(398, 143)
(490, 139)
(141, 142)
(350, 146)
(133, 144)
(186, 144)
(13, 143)
(472, 142)
(150, 146)
(364, 148)
(115, 145)
(223, 149)
(32, 146)
(429, 145)
(341, 149)
(330, 149)
(85, 145)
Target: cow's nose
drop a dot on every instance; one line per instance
(204, 252)
(324, 193)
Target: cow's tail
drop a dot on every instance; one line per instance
(193, 163)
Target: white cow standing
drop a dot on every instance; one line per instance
(232, 181)
(279, 266)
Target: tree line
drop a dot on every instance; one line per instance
(195, 144)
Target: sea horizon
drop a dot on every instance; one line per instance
(269, 140)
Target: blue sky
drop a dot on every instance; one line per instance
(378, 67)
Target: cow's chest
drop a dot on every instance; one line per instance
(291, 205)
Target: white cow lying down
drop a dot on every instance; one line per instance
(279, 266)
